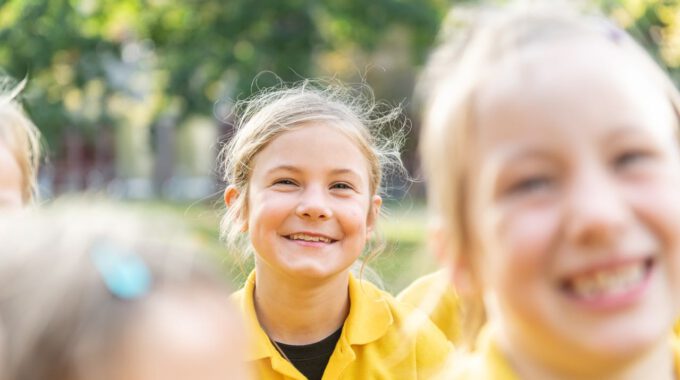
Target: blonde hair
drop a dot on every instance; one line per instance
(473, 43)
(21, 136)
(273, 112)
(59, 315)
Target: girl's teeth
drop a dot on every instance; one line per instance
(609, 282)
(309, 238)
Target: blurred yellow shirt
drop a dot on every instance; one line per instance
(488, 362)
(380, 339)
(434, 295)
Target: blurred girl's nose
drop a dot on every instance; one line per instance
(597, 208)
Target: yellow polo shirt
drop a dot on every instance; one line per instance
(488, 363)
(375, 343)
(434, 295)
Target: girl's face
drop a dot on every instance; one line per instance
(310, 210)
(577, 203)
(10, 179)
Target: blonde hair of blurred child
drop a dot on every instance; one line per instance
(19, 149)
(97, 291)
(550, 146)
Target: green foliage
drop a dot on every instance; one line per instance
(654, 24)
(90, 61)
(195, 52)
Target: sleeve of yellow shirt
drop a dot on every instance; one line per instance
(433, 294)
(432, 358)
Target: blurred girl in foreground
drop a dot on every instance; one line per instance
(91, 293)
(551, 145)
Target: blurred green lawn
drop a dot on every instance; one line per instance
(403, 226)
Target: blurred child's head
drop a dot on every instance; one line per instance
(95, 293)
(550, 145)
(19, 151)
(306, 154)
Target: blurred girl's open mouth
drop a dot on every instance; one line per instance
(610, 287)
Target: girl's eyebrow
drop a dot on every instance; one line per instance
(525, 152)
(624, 131)
(291, 168)
(345, 171)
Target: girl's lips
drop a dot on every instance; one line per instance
(310, 239)
(610, 287)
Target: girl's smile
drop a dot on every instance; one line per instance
(310, 239)
(610, 286)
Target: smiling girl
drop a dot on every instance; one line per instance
(19, 151)
(551, 143)
(304, 171)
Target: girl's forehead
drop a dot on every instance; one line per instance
(312, 144)
(569, 85)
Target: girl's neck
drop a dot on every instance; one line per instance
(656, 363)
(299, 313)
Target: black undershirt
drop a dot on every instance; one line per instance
(311, 359)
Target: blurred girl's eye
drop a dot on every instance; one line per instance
(631, 157)
(530, 185)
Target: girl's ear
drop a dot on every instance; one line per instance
(457, 265)
(463, 276)
(373, 213)
(231, 193)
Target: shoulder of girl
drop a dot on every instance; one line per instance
(675, 346)
(237, 297)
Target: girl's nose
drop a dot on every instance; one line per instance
(598, 210)
(314, 204)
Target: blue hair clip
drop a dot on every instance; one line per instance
(613, 32)
(124, 273)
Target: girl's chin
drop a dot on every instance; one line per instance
(621, 343)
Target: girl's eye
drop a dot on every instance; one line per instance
(341, 186)
(630, 157)
(284, 182)
(531, 185)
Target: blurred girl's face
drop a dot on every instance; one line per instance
(184, 335)
(577, 203)
(10, 179)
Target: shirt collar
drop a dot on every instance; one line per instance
(369, 313)
(260, 346)
(369, 316)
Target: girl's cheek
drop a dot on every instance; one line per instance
(527, 235)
